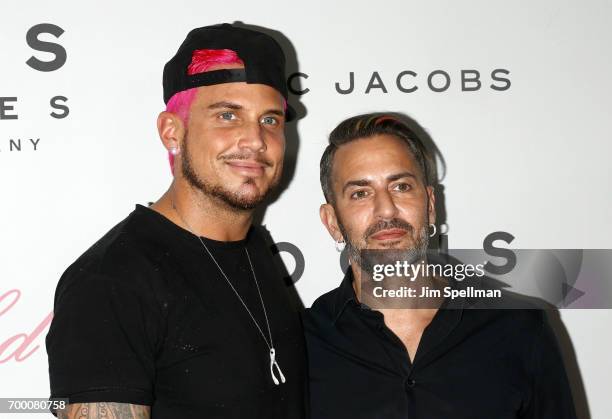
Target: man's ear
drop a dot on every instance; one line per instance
(330, 221)
(171, 130)
(431, 200)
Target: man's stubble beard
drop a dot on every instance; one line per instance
(411, 254)
(234, 200)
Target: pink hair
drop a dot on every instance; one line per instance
(201, 61)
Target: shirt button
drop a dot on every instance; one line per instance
(409, 383)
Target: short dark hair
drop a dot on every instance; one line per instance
(369, 125)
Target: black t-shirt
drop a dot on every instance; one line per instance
(471, 363)
(145, 317)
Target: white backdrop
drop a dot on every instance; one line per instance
(531, 160)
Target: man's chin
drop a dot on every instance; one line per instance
(240, 202)
(245, 197)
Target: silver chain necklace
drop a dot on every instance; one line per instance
(270, 344)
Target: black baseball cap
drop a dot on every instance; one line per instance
(263, 58)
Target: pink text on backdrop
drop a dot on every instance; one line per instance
(18, 347)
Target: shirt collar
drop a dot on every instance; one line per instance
(345, 294)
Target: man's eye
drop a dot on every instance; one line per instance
(227, 116)
(269, 120)
(403, 187)
(359, 194)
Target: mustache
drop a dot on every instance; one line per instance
(247, 156)
(388, 224)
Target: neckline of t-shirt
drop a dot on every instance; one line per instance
(190, 237)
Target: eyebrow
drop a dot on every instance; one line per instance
(224, 105)
(236, 106)
(275, 112)
(366, 182)
(401, 175)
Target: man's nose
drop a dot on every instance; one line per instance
(252, 137)
(384, 206)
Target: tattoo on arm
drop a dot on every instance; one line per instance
(104, 410)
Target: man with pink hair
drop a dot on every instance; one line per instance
(179, 311)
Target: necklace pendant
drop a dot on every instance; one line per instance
(273, 364)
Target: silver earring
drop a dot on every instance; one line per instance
(340, 245)
(435, 230)
(174, 150)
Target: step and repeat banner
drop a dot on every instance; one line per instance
(514, 97)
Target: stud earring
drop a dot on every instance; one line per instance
(340, 245)
(174, 150)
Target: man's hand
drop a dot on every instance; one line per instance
(104, 410)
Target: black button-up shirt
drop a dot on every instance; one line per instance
(470, 363)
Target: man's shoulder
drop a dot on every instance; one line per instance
(323, 308)
(505, 306)
(125, 252)
(513, 317)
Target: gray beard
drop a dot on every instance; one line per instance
(383, 256)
